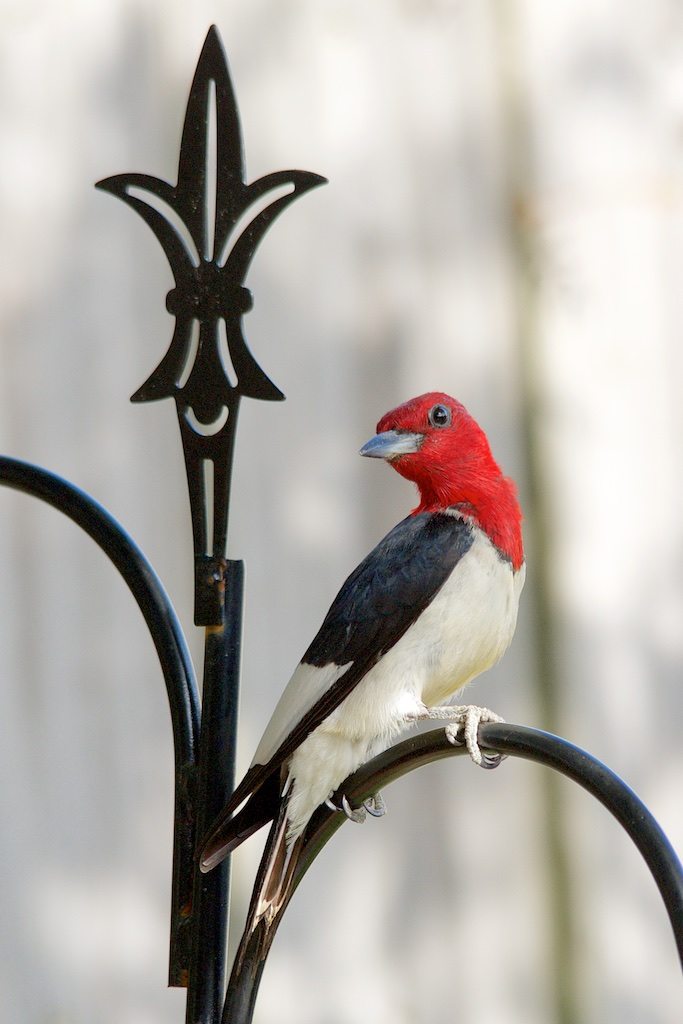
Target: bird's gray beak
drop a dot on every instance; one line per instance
(392, 443)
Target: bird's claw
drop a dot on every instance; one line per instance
(463, 731)
(356, 814)
(375, 805)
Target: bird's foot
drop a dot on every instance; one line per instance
(356, 814)
(375, 805)
(463, 727)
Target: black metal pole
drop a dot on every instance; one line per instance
(209, 269)
(216, 780)
(210, 260)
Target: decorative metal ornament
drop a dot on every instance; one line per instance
(209, 224)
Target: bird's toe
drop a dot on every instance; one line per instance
(356, 814)
(464, 729)
(375, 805)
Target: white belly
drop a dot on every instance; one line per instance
(465, 630)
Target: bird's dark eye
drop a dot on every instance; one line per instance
(440, 416)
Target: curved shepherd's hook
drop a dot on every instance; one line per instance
(171, 648)
(516, 740)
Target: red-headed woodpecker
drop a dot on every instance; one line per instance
(432, 606)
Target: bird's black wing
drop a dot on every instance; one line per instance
(379, 601)
(387, 592)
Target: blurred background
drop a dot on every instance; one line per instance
(504, 221)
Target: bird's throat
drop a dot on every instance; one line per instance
(491, 504)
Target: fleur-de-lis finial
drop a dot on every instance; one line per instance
(208, 366)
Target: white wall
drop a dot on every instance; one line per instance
(504, 223)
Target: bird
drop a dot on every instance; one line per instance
(433, 605)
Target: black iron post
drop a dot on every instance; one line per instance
(215, 784)
(209, 263)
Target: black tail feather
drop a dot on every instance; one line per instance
(227, 833)
(272, 892)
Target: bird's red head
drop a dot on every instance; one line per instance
(433, 441)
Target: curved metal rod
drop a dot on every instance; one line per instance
(516, 740)
(173, 654)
